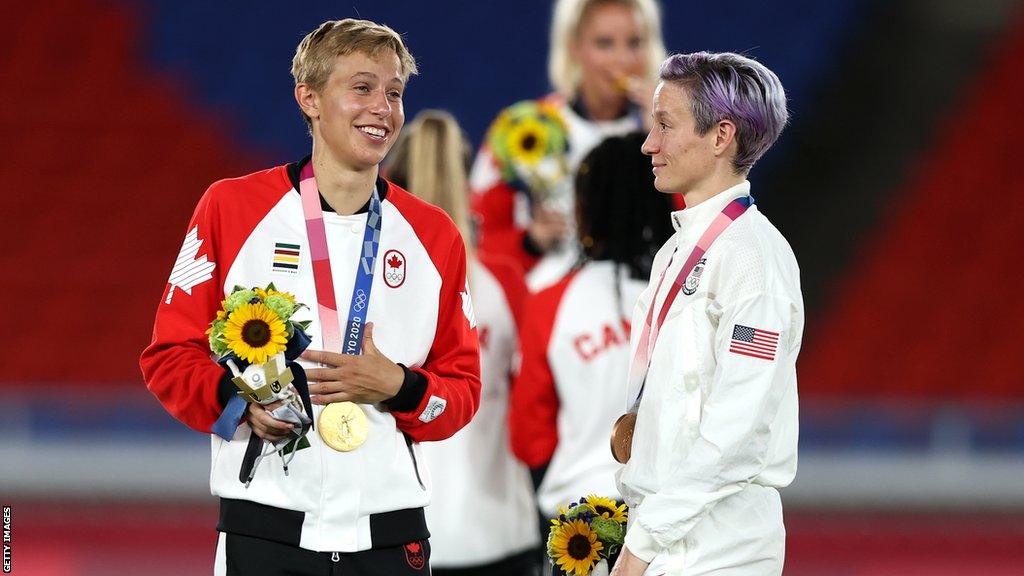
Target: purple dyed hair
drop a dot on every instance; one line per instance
(727, 86)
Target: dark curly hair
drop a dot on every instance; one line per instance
(620, 215)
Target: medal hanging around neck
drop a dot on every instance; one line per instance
(622, 430)
(342, 425)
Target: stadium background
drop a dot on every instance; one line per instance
(895, 183)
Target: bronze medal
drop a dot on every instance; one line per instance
(343, 426)
(622, 437)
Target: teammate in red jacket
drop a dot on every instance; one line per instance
(475, 474)
(575, 336)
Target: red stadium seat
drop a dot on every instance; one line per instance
(931, 308)
(105, 163)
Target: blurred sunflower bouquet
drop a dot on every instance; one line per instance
(530, 143)
(585, 533)
(255, 336)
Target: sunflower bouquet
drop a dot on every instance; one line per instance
(585, 533)
(529, 141)
(255, 324)
(255, 336)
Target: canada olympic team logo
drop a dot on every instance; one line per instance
(415, 556)
(394, 268)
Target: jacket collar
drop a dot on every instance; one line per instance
(295, 168)
(690, 223)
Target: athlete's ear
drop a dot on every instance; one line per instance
(308, 100)
(725, 135)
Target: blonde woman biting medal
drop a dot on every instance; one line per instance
(602, 66)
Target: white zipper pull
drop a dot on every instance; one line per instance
(335, 557)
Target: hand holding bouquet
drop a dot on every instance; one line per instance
(255, 337)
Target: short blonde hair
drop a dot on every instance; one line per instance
(430, 160)
(315, 55)
(564, 72)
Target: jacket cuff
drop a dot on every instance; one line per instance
(640, 542)
(414, 387)
(226, 389)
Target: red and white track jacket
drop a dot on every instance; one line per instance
(568, 394)
(332, 501)
(477, 480)
(503, 211)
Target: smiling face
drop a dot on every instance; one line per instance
(358, 114)
(681, 158)
(610, 46)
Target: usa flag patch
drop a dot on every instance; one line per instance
(754, 342)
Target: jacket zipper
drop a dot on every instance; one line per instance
(415, 465)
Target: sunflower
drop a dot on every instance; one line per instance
(269, 291)
(607, 508)
(502, 124)
(574, 547)
(528, 141)
(255, 333)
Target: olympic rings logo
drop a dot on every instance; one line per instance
(360, 302)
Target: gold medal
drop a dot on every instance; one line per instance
(343, 426)
(622, 437)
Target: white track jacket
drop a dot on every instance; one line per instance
(717, 425)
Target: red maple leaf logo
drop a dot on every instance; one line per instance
(394, 261)
(413, 547)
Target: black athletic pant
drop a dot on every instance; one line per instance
(522, 564)
(248, 556)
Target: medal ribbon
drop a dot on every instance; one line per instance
(649, 337)
(323, 279)
(327, 307)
